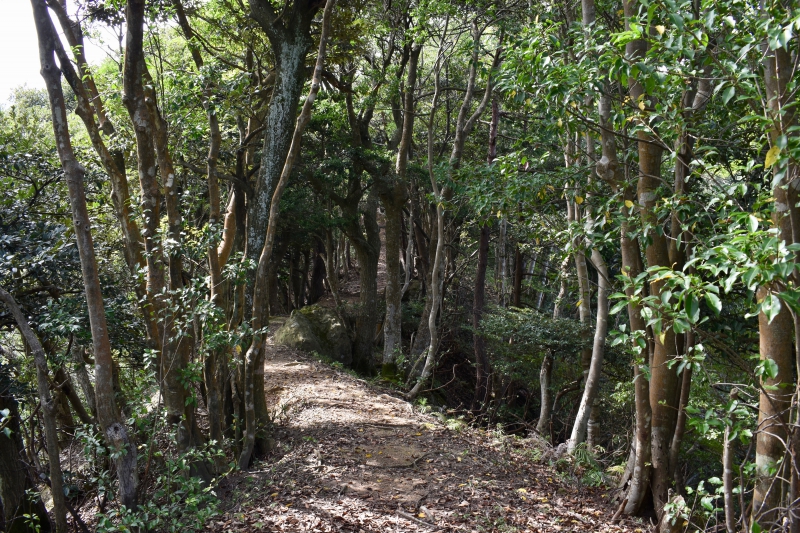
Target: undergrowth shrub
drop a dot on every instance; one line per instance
(176, 500)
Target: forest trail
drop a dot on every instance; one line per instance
(351, 456)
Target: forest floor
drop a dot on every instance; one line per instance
(351, 456)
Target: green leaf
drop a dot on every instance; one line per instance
(693, 308)
(749, 277)
(677, 20)
(728, 93)
(770, 368)
(713, 301)
(771, 306)
(618, 307)
(680, 326)
(752, 224)
(666, 295)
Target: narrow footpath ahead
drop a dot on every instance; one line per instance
(351, 457)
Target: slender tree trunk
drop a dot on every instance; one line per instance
(727, 475)
(177, 393)
(465, 123)
(114, 430)
(427, 252)
(214, 364)
(592, 380)
(584, 304)
(435, 284)
(482, 367)
(775, 337)
(89, 103)
(392, 334)
(16, 478)
(502, 253)
(562, 290)
(317, 282)
(519, 272)
(545, 375)
(43, 386)
(393, 198)
(332, 272)
(680, 425)
(64, 384)
(368, 249)
(664, 378)
(409, 257)
(82, 375)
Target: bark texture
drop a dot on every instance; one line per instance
(114, 430)
(15, 476)
(394, 196)
(48, 410)
(260, 309)
(592, 380)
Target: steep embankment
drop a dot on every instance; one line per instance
(350, 456)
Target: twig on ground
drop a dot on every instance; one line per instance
(414, 519)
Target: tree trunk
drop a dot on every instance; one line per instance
(543, 281)
(332, 273)
(394, 197)
(664, 377)
(427, 252)
(562, 290)
(680, 425)
(775, 337)
(42, 385)
(727, 474)
(392, 326)
(176, 350)
(316, 284)
(254, 360)
(150, 196)
(502, 262)
(113, 428)
(775, 344)
(215, 364)
(90, 103)
(368, 249)
(545, 374)
(482, 369)
(64, 384)
(433, 300)
(82, 375)
(592, 379)
(15, 477)
(519, 272)
(289, 35)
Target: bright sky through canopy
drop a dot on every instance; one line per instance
(19, 50)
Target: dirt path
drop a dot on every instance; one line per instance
(351, 457)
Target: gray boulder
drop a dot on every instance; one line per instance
(297, 333)
(318, 329)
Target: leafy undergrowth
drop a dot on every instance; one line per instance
(351, 457)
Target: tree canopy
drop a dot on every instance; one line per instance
(574, 221)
